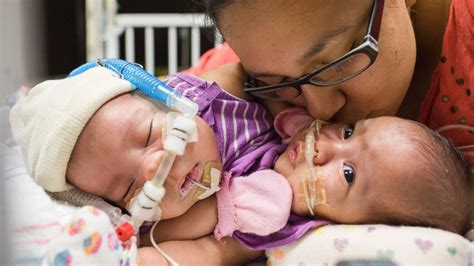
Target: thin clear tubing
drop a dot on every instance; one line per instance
(309, 186)
(164, 169)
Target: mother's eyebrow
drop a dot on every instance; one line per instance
(319, 45)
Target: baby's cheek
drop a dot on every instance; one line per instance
(169, 210)
(173, 206)
(297, 205)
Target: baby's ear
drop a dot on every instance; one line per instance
(290, 121)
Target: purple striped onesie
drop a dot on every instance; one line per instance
(247, 143)
(244, 130)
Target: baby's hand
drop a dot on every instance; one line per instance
(259, 203)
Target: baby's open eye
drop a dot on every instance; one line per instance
(348, 131)
(349, 173)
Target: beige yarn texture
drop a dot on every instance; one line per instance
(48, 122)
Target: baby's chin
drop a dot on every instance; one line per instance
(174, 209)
(299, 208)
(321, 212)
(304, 212)
(170, 213)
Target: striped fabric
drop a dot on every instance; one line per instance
(247, 143)
(244, 130)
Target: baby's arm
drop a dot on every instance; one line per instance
(197, 222)
(203, 251)
(230, 77)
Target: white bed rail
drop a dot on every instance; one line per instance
(115, 25)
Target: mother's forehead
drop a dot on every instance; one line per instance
(261, 35)
(291, 14)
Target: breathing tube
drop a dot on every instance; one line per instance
(147, 83)
(313, 185)
(145, 206)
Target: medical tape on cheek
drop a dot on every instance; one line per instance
(211, 179)
(313, 186)
(318, 204)
(211, 171)
(321, 206)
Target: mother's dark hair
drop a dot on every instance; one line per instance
(213, 7)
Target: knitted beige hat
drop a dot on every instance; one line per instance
(47, 122)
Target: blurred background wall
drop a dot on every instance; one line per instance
(22, 61)
(42, 39)
(22, 43)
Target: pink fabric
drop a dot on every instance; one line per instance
(259, 203)
(290, 121)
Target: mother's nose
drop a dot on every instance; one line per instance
(323, 102)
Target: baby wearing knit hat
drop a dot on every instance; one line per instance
(47, 124)
(49, 121)
(88, 132)
(61, 127)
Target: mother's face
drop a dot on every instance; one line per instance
(281, 39)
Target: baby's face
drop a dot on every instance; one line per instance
(121, 148)
(358, 165)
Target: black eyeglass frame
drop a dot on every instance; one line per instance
(369, 46)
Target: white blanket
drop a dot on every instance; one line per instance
(42, 231)
(32, 218)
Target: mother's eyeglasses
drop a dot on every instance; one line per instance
(349, 65)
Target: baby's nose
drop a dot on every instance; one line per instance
(323, 151)
(150, 165)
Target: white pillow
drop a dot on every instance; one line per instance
(404, 245)
(32, 218)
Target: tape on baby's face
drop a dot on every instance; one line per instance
(313, 186)
(321, 206)
(211, 179)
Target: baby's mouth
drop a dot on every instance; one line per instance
(206, 180)
(191, 180)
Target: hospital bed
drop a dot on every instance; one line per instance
(328, 245)
(113, 35)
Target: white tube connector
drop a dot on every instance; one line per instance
(183, 105)
(180, 130)
(145, 206)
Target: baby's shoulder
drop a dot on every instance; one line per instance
(230, 77)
